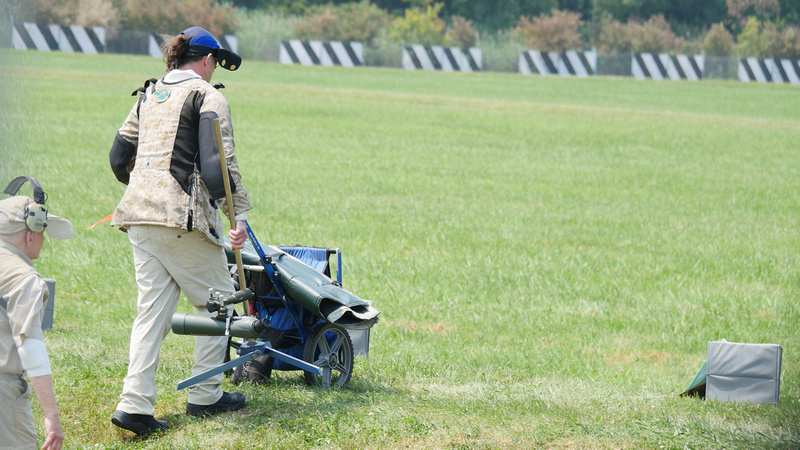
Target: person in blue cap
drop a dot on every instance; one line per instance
(167, 154)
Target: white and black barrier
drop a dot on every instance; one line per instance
(661, 66)
(72, 39)
(769, 70)
(679, 67)
(583, 64)
(446, 59)
(568, 63)
(90, 40)
(319, 53)
(666, 67)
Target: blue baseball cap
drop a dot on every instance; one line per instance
(201, 41)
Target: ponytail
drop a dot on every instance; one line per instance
(176, 52)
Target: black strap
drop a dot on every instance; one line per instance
(143, 93)
(38, 193)
(141, 90)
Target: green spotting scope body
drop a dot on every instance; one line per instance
(197, 325)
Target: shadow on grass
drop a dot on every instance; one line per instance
(283, 401)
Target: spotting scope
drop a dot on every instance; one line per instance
(197, 325)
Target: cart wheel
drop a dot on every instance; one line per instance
(329, 347)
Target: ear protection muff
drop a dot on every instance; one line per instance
(35, 214)
(36, 217)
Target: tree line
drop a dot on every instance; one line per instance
(760, 28)
(495, 15)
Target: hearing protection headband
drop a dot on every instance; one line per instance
(36, 214)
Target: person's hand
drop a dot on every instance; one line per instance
(238, 235)
(55, 437)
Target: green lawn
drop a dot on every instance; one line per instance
(551, 256)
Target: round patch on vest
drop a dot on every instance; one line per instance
(162, 95)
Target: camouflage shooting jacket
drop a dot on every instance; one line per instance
(165, 186)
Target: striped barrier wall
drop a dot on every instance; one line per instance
(568, 63)
(76, 39)
(92, 40)
(318, 53)
(769, 70)
(666, 67)
(72, 39)
(154, 41)
(446, 59)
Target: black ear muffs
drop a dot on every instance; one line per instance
(35, 214)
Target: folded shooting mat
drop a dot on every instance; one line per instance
(314, 291)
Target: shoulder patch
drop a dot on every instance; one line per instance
(161, 95)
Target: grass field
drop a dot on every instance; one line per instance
(551, 256)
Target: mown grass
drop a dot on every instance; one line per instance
(550, 256)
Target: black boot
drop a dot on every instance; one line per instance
(141, 424)
(230, 401)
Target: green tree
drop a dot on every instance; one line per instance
(67, 12)
(790, 11)
(461, 33)
(761, 9)
(172, 16)
(750, 41)
(718, 41)
(498, 14)
(765, 40)
(361, 21)
(555, 32)
(790, 43)
(653, 36)
(419, 26)
(282, 6)
(686, 12)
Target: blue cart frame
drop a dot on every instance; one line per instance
(293, 330)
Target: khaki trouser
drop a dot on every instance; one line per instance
(17, 429)
(168, 261)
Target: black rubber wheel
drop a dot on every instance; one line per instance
(329, 346)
